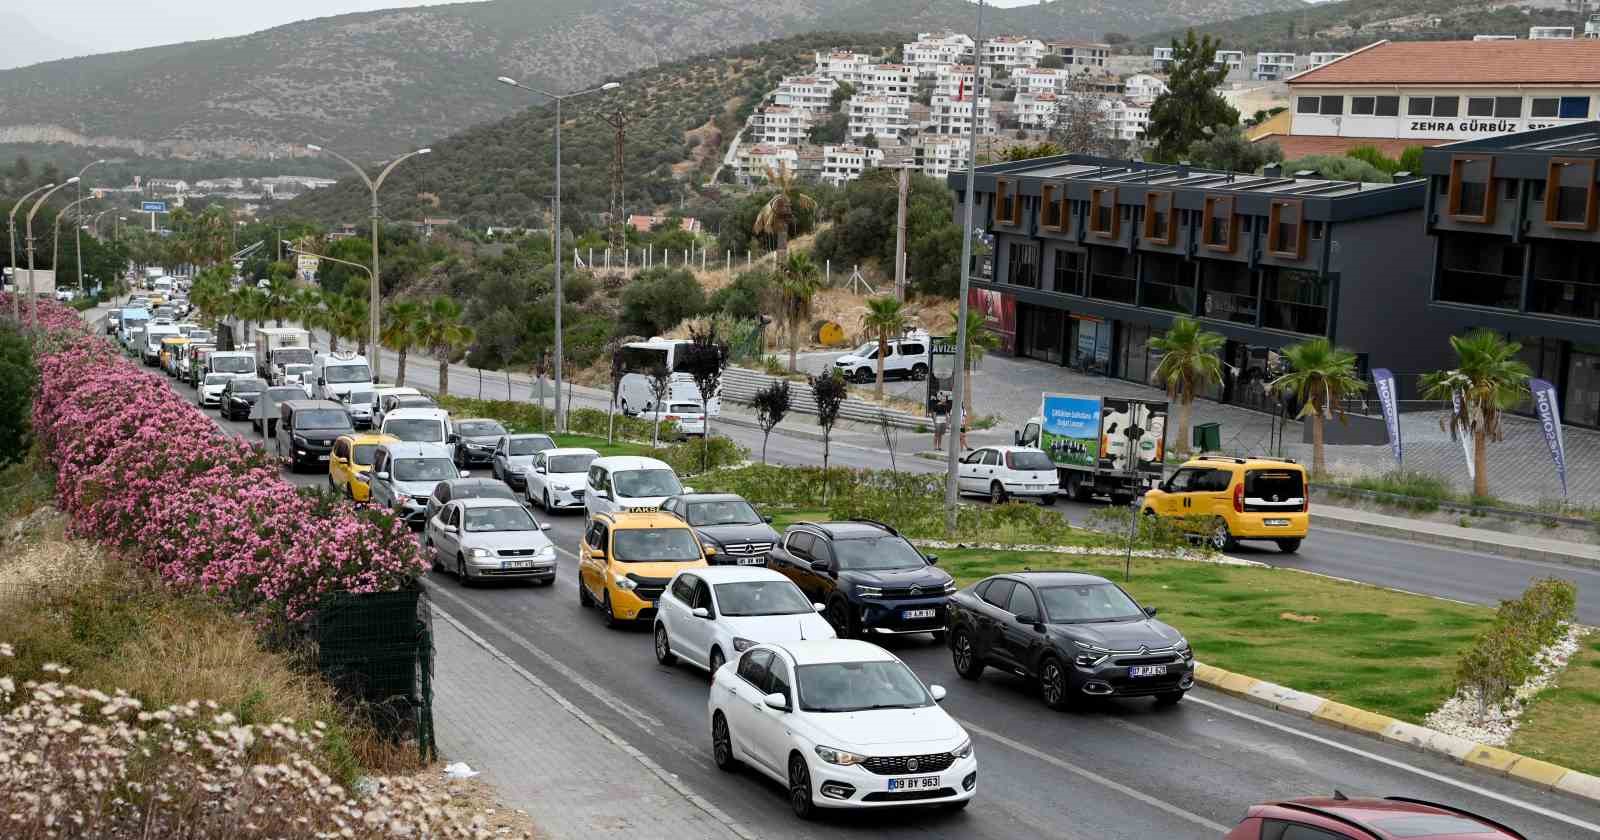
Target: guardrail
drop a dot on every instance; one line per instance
(741, 385)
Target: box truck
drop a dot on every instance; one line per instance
(1101, 446)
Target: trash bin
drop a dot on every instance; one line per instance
(1208, 437)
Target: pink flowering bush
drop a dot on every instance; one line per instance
(140, 468)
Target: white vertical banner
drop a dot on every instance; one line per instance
(1548, 410)
(1463, 434)
(1384, 381)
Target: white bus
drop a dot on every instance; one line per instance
(639, 358)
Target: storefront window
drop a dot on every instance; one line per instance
(1113, 275)
(1168, 283)
(1069, 271)
(1134, 354)
(1229, 291)
(1042, 332)
(1090, 345)
(1480, 270)
(1583, 386)
(1296, 301)
(1566, 279)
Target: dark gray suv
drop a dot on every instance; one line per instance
(1077, 635)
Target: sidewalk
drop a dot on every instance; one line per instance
(1440, 533)
(573, 776)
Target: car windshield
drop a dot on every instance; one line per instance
(859, 686)
(346, 373)
(685, 408)
(414, 430)
(222, 379)
(1029, 459)
(233, 364)
(480, 489)
(289, 392)
(506, 518)
(248, 385)
(641, 484)
(364, 452)
(1432, 825)
(648, 545)
(322, 418)
(1089, 602)
(533, 446)
(761, 597)
(729, 512)
(423, 469)
(200, 335)
(876, 553)
(292, 355)
(301, 370)
(416, 401)
(480, 428)
(569, 463)
(353, 398)
(865, 351)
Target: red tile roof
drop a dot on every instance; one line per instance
(1462, 62)
(1296, 146)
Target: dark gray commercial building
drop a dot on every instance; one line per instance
(1515, 248)
(1092, 257)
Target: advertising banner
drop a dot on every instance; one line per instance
(1133, 435)
(1384, 382)
(1070, 429)
(1462, 434)
(1548, 411)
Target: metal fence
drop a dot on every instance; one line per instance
(741, 384)
(377, 651)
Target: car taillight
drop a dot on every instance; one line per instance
(1305, 504)
(1238, 498)
(673, 418)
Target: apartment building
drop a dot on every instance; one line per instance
(1034, 111)
(1143, 87)
(949, 116)
(846, 163)
(1233, 60)
(1127, 120)
(1317, 59)
(1591, 27)
(954, 79)
(807, 93)
(1162, 58)
(1273, 66)
(1036, 80)
(886, 80)
(753, 161)
(885, 117)
(933, 50)
(1551, 33)
(938, 158)
(1012, 52)
(843, 65)
(777, 125)
(1080, 53)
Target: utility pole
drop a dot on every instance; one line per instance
(16, 277)
(957, 377)
(618, 120)
(77, 230)
(900, 235)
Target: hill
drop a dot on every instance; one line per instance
(374, 83)
(1355, 23)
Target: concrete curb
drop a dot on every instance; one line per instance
(1503, 549)
(1532, 771)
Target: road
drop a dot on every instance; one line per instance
(1114, 770)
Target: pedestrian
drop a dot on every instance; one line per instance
(964, 446)
(941, 422)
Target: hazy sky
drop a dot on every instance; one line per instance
(110, 25)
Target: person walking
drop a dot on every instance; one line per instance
(964, 426)
(941, 422)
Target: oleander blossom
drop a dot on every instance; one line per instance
(141, 469)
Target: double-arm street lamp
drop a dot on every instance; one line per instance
(55, 244)
(559, 98)
(373, 186)
(11, 229)
(77, 231)
(33, 299)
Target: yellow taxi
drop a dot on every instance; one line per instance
(351, 460)
(170, 348)
(626, 560)
(1231, 499)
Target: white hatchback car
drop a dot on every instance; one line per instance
(689, 418)
(1001, 472)
(628, 483)
(554, 477)
(707, 615)
(843, 724)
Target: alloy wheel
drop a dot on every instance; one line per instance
(800, 788)
(1221, 540)
(664, 653)
(1052, 684)
(717, 661)
(964, 656)
(997, 493)
(721, 743)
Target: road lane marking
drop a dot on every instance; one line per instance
(1401, 765)
(1098, 779)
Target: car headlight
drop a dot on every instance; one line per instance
(839, 757)
(869, 591)
(548, 552)
(950, 587)
(964, 750)
(1183, 649)
(624, 583)
(742, 644)
(1090, 655)
(479, 552)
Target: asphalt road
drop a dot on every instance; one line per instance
(1121, 769)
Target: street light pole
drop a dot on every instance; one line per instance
(560, 297)
(958, 382)
(373, 186)
(11, 229)
(77, 230)
(55, 243)
(33, 299)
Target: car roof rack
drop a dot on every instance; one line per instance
(1460, 811)
(884, 525)
(1232, 459)
(1330, 815)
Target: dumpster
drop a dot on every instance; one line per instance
(1208, 437)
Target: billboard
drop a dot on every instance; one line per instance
(999, 313)
(153, 207)
(1069, 429)
(1133, 435)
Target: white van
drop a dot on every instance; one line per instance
(153, 333)
(332, 374)
(419, 425)
(907, 358)
(628, 483)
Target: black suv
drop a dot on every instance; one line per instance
(726, 522)
(1077, 635)
(870, 578)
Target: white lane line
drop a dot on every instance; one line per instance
(1098, 779)
(1401, 765)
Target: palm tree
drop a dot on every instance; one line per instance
(778, 214)
(980, 340)
(885, 318)
(797, 285)
(248, 304)
(1490, 380)
(280, 297)
(1190, 362)
(442, 332)
(305, 308)
(1320, 376)
(402, 320)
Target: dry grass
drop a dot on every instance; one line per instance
(1561, 724)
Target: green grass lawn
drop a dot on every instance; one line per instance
(1563, 723)
(599, 445)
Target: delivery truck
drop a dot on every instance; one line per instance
(1101, 446)
(279, 346)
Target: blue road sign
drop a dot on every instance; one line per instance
(154, 207)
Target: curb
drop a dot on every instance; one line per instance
(1521, 552)
(1532, 771)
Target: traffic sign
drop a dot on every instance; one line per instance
(154, 207)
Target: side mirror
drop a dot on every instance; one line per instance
(450, 529)
(819, 607)
(767, 519)
(688, 489)
(597, 553)
(933, 559)
(1150, 611)
(544, 526)
(700, 612)
(381, 476)
(777, 701)
(453, 438)
(466, 474)
(321, 381)
(539, 469)
(1030, 620)
(710, 550)
(1016, 438)
(819, 566)
(937, 691)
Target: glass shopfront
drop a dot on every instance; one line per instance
(1043, 331)
(1574, 369)
(1089, 344)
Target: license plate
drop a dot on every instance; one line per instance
(910, 614)
(1147, 670)
(915, 783)
(322, 457)
(752, 561)
(1275, 523)
(516, 564)
(1038, 487)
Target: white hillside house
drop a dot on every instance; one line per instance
(886, 117)
(846, 163)
(777, 125)
(933, 50)
(1035, 111)
(1012, 52)
(806, 93)
(947, 116)
(1143, 87)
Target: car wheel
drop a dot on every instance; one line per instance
(1221, 538)
(546, 502)
(866, 375)
(1289, 546)
(1053, 683)
(997, 493)
(584, 598)
(664, 653)
(611, 614)
(800, 788)
(461, 571)
(722, 744)
(965, 656)
(432, 554)
(919, 372)
(717, 660)
(1169, 698)
(839, 616)
(1076, 488)
(1047, 501)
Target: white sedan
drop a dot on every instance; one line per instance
(707, 615)
(842, 724)
(1001, 472)
(555, 478)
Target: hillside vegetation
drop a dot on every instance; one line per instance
(1355, 23)
(375, 83)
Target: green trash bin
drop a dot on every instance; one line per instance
(1208, 437)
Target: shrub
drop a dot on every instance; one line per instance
(746, 296)
(658, 299)
(1501, 658)
(696, 455)
(18, 379)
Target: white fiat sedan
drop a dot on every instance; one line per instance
(842, 724)
(710, 614)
